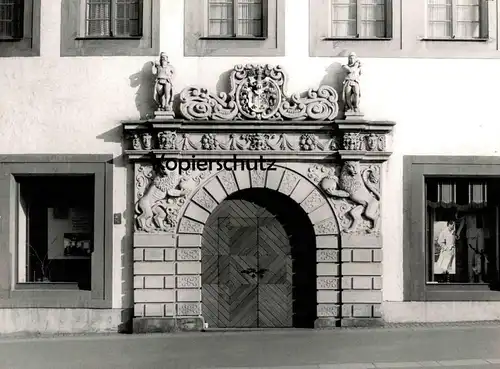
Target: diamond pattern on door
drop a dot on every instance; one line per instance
(246, 268)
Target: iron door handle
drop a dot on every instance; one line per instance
(250, 271)
(261, 272)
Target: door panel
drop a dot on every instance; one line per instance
(246, 269)
(275, 279)
(238, 290)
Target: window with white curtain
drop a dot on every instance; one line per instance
(456, 19)
(235, 18)
(359, 18)
(113, 18)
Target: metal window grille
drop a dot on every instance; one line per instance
(235, 18)
(113, 18)
(451, 19)
(11, 18)
(358, 18)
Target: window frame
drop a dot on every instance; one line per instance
(263, 35)
(387, 25)
(409, 29)
(34, 295)
(29, 44)
(415, 169)
(322, 43)
(74, 42)
(113, 6)
(483, 24)
(197, 42)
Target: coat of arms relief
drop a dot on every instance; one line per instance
(258, 93)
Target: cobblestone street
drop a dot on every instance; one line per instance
(415, 347)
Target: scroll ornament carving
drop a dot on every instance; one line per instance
(160, 194)
(258, 93)
(356, 194)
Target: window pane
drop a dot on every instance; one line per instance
(250, 18)
(127, 18)
(98, 17)
(439, 13)
(344, 15)
(55, 223)
(462, 231)
(372, 18)
(220, 18)
(467, 19)
(11, 18)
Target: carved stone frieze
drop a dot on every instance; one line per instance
(147, 141)
(310, 142)
(170, 140)
(160, 193)
(364, 142)
(258, 93)
(167, 140)
(355, 192)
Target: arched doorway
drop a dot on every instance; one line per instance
(258, 263)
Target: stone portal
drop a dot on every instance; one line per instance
(256, 140)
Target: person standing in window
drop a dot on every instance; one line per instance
(446, 241)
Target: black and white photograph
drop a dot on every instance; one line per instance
(254, 184)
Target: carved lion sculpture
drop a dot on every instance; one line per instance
(157, 205)
(359, 187)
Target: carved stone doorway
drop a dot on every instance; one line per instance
(258, 263)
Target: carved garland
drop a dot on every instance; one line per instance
(169, 140)
(258, 93)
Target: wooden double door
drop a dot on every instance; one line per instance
(246, 269)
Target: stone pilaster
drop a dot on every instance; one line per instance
(361, 272)
(328, 283)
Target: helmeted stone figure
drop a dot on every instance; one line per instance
(351, 92)
(163, 90)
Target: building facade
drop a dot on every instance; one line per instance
(288, 210)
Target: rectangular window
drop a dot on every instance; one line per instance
(451, 242)
(55, 233)
(235, 18)
(113, 18)
(56, 243)
(462, 237)
(358, 18)
(11, 19)
(456, 19)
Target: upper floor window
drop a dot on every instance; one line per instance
(234, 27)
(110, 27)
(19, 28)
(359, 18)
(11, 19)
(456, 19)
(113, 18)
(235, 18)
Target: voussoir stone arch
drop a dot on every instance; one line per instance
(219, 186)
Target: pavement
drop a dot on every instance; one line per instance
(463, 347)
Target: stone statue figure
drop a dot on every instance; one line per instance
(163, 91)
(351, 90)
